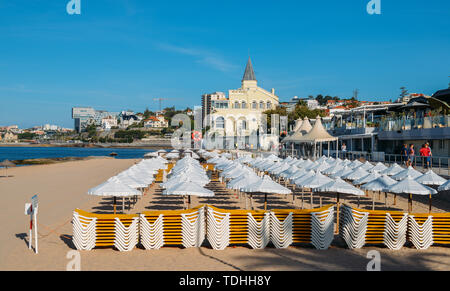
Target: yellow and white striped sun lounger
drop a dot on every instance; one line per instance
(360, 227)
(173, 228)
(425, 230)
(107, 230)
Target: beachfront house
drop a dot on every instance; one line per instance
(156, 122)
(109, 122)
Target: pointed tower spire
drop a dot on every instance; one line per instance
(249, 74)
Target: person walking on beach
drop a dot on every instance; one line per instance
(404, 154)
(411, 155)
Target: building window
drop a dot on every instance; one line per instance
(269, 105)
(254, 105)
(220, 123)
(261, 105)
(242, 125)
(244, 105)
(237, 105)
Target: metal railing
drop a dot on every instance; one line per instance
(440, 165)
(409, 123)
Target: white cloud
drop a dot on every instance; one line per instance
(201, 56)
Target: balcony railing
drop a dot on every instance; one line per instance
(410, 123)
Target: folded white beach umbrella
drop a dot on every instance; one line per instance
(445, 187)
(344, 171)
(393, 170)
(339, 186)
(367, 179)
(409, 172)
(411, 187)
(378, 168)
(333, 169)
(355, 164)
(188, 189)
(267, 186)
(281, 169)
(367, 166)
(316, 180)
(129, 181)
(114, 189)
(320, 167)
(183, 178)
(357, 173)
(430, 178)
(289, 172)
(243, 181)
(379, 184)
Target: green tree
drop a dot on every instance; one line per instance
(147, 113)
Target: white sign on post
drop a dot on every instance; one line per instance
(31, 209)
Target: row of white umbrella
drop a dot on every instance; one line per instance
(309, 174)
(131, 182)
(243, 179)
(187, 178)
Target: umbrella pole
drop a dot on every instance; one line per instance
(123, 205)
(246, 202)
(189, 201)
(312, 201)
(114, 202)
(359, 202)
(320, 199)
(251, 201)
(431, 205)
(373, 201)
(410, 203)
(395, 199)
(265, 201)
(385, 199)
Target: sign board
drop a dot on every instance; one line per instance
(28, 209)
(34, 202)
(31, 209)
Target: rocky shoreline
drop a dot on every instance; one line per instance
(48, 161)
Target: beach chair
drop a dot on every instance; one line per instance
(238, 227)
(126, 237)
(84, 234)
(152, 234)
(353, 227)
(307, 226)
(360, 227)
(281, 230)
(173, 228)
(426, 230)
(111, 230)
(218, 228)
(420, 231)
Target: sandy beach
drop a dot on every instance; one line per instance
(62, 188)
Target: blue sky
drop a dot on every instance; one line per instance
(120, 54)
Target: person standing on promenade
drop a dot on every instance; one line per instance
(344, 151)
(425, 152)
(404, 154)
(411, 155)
